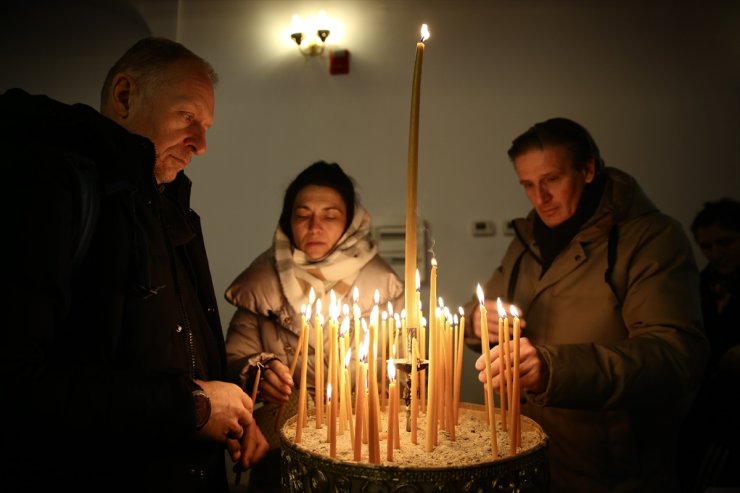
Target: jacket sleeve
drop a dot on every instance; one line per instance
(243, 342)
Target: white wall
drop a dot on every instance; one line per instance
(657, 83)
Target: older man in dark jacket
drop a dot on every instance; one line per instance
(113, 354)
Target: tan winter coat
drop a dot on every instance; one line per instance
(622, 373)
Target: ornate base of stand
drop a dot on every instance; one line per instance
(308, 472)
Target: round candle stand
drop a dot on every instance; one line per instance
(305, 471)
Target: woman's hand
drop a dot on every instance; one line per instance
(277, 382)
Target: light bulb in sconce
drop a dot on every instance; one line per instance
(310, 34)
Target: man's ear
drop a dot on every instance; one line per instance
(590, 170)
(122, 90)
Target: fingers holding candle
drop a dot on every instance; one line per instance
(494, 364)
(277, 383)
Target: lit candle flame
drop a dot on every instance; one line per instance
(362, 352)
(390, 308)
(514, 311)
(376, 296)
(434, 260)
(347, 357)
(500, 307)
(308, 312)
(318, 307)
(344, 327)
(311, 296)
(479, 291)
(391, 370)
(328, 391)
(424, 32)
(418, 280)
(355, 294)
(384, 315)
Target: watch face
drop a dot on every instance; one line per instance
(202, 408)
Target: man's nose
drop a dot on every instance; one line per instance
(542, 195)
(197, 141)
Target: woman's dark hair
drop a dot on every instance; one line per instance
(559, 132)
(321, 174)
(724, 213)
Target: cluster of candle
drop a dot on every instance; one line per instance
(508, 374)
(377, 342)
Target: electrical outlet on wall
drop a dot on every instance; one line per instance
(483, 228)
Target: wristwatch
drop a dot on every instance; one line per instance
(202, 408)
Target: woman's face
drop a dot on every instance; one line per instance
(318, 220)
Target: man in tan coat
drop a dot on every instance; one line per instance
(613, 346)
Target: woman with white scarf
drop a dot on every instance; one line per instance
(322, 242)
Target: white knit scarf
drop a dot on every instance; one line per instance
(337, 270)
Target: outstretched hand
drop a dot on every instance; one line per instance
(533, 372)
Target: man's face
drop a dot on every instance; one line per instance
(551, 183)
(175, 116)
(721, 247)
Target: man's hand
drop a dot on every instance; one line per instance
(533, 372)
(250, 449)
(492, 320)
(231, 410)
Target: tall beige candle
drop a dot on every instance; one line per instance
(515, 419)
(301, 421)
(486, 348)
(319, 365)
(503, 382)
(411, 184)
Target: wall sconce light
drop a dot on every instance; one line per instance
(310, 34)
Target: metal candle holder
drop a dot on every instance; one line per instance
(404, 365)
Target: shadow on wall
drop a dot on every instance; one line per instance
(64, 49)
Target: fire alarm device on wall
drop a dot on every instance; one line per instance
(339, 62)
